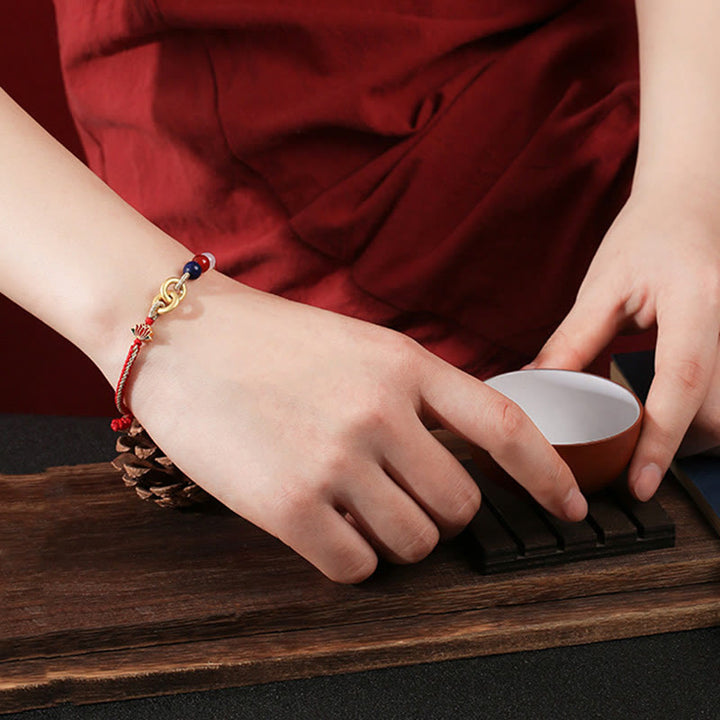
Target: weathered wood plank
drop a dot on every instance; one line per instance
(96, 587)
(252, 659)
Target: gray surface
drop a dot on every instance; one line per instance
(666, 676)
(32, 443)
(674, 675)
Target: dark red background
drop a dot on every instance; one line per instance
(40, 371)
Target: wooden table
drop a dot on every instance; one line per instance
(105, 596)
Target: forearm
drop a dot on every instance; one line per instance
(679, 96)
(75, 255)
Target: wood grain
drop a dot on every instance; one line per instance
(104, 596)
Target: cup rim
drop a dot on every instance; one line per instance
(604, 380)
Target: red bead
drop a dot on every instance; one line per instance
(202, 261)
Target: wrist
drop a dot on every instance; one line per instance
(673, 188)
(106, 334)
(175, 333)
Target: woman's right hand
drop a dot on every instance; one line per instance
(314, 426)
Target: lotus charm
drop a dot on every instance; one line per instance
(143, 332)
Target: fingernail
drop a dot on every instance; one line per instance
(647, 482)
(529, 366)
(574, 505)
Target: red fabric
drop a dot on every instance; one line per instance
(443, 168)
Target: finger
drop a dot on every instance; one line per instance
(432, 476)
(594, 320)
(703, 434)
(684, 361)
(487, 418)
(323, 537)
(389, 517)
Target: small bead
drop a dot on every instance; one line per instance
(211, 258)
(202, 261)
(193, 269)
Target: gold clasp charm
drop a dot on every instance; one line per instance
(168, 299)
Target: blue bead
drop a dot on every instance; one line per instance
(193, 269)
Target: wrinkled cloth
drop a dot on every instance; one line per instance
(446, 169)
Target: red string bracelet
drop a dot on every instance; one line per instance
(172, 291)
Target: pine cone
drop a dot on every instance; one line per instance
(151, 473)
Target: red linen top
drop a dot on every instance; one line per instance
(443, 167)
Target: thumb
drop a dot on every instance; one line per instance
(593, 321)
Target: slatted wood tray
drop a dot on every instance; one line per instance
(512, 531)
(104, 596)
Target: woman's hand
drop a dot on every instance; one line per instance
(659, 264)
(306, 422)
(703, 435)
(314, 426)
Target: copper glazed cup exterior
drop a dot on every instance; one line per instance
(597, 461)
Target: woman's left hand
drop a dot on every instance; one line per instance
(659, 264)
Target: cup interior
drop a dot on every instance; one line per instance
(570, 407)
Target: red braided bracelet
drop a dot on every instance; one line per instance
(172, 291)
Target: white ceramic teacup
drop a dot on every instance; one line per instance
(592, 422)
